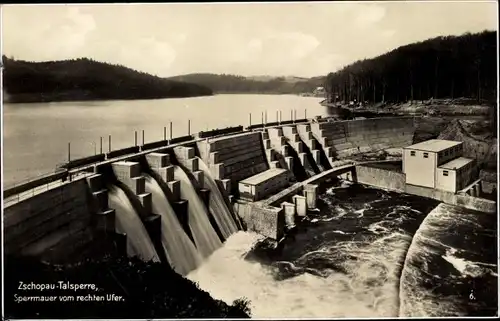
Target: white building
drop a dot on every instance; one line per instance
(438, 164)
(319, 91)
(263, 184)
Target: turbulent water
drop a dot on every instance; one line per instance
(347, 261)
(451, 266)
(180, 250)
(205, 237)
(217, 204)
(128, 222)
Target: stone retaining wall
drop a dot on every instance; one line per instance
(381, 178)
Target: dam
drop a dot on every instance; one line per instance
(180, 200)
(198, 182)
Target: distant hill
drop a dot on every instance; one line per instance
(86, 79)
(223, 83)
(442, 67)
(291, 79)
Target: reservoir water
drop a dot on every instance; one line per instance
(36, 136)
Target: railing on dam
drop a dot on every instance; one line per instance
(89, 163)
(35, 186)
(31, 183)
(29, 187)
(277, 124)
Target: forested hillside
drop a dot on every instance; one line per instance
(86, 79)
(443, 67)
(240, 84)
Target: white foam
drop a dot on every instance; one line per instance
(377, 228)
(367, 290)
(341, 232)
(465, 267)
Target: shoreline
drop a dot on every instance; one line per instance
(432, 109)
(39, 101)
(142, 98)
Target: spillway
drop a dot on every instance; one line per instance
(180, 250)
(128, 221)
(205, 237)
(217, 204)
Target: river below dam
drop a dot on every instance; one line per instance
(36, 135)
(365, 253)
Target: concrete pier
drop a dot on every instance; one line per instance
(153, 225)
(160, 164)
(225, 185)
(104, 218)
(146, 201)
(158, 160)
(191, 164)
(300, 205)
(199, 177)
(289, 163)
(205, 196)
(129, 173)
(289, 209)
(311, 194)
(175, 189)
(267, 221)
(181, 211)
(166, 173)
(316, 154)
(183, 153)
(278, 144)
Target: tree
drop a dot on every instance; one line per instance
(443, 67)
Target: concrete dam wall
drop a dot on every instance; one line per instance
(234, 158)
(65, 219)
(344, 139)
(176, 197)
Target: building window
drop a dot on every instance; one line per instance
(412, 153)
(426, 155)
(445, 173)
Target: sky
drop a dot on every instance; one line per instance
(277, 39)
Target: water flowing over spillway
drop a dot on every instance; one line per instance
(346, 262)
(450, 268)
(180, 250)
(128, 222)
(217, 204)
(205, 237)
